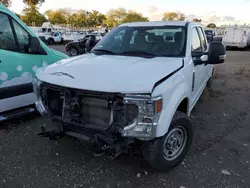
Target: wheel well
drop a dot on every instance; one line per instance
(183, 106)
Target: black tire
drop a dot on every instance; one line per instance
(153, 151)
(50, 41)
(73, 52)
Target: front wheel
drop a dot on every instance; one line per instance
(168, 151)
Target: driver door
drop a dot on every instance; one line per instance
(17, 66)
(200, 71)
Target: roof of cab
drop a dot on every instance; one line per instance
(157, 23)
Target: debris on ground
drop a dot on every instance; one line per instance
(225, 172)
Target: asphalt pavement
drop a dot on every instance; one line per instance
(218, 158)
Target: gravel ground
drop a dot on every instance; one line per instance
(219, 156)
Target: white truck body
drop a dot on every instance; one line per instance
(237, 37)
(158, 85)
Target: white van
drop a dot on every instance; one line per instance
(236, 37)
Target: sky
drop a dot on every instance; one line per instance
(218, 11)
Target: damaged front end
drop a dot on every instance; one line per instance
(111, 120)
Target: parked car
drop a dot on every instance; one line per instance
(79, 47)
(132, 87)
(54, 37)
(21, 53)
(237, 37)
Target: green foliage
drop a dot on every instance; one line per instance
(32, 17)
(118, 16)
(173, 16)
(7, 3)
(211, 25)
(134, 17)
(114, 17)
(80, 18)
(59, 16)
(33, 2)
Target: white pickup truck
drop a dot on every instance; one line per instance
(51, 37)
(138, 88)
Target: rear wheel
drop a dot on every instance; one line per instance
(168, 151)
(73, 52)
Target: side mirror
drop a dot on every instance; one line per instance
(197, 58)
(34, 45)
(217, 53)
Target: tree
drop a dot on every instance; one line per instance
(60, 16)
(32, 17)
(33, 2)
(118, 16)
(211, 25)
(197, 20)
(133, 16)
(7, 3)
(95, 18)
(172, 16)
(114, 17)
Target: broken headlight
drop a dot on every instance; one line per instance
(147, 116)
(36, 89)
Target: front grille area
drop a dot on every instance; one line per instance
(92, 110)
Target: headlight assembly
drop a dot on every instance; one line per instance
(145, 121)
(36, 89)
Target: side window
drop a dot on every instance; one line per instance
(132, 41)
(203, 39)
(196, 43)
(7, 40)
(22, 37)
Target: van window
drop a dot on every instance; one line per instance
(196, 43)
(6, 35)
(22, 37)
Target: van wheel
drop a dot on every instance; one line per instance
(50, 41)
(73, 52)
(167, 152)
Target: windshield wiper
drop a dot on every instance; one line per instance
(104, 51)
(140, 53)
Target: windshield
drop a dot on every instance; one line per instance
(208, 32)
(156, 41)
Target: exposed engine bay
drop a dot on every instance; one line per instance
(98, 116)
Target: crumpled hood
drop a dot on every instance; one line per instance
(109, 73)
